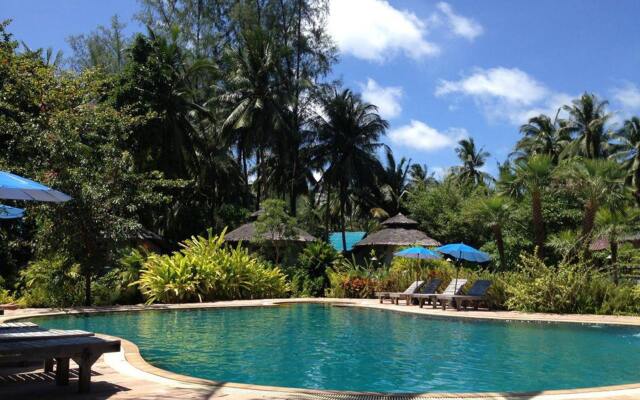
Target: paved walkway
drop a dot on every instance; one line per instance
(126, 376)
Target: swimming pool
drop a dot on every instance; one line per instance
(344, 348)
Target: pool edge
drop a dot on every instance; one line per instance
(133, 358)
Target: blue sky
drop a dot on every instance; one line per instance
(438, 70)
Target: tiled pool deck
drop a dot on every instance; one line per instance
(126, 375)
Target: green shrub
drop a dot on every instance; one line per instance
(349, 279)
(309, 277)
(568, 288)
(54, 282)
(115, 287)
(205, 270)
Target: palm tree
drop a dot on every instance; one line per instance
(612, 224)
(599, 182)
(532, 175)
(495, 213)
(253, 99)
(419, 175)
(587, 118)
(394, 182)
(348, 139)
(626, 149)
(472, 162)
(543, 136)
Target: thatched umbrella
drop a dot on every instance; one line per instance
(247, 233)
(396, 232)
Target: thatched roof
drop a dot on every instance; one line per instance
(398, 231)
(400, 221)
(398, 237)
(603, 243)
(247, 233)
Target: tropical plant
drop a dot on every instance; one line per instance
(54, 282)
(611, 224)
(472, 162)
(274, 227)
(419, 175)
(531, 175)
(494, 213)
(587, 118)
(597, 182)
(543, 136)
(348, 138)
(204, 270)
(626, 150)
(393, 183)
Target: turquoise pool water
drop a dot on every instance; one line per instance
(325, 347)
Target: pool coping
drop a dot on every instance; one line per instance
(132, 356)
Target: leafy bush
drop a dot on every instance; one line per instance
(309, 278)
(115, 287)
(349, 279)
(54, 282)
(205, 270)
(568, 288)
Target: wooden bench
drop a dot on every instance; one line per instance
(45, 345)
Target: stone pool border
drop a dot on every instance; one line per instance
(131, 355)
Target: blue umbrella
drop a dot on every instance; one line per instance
(417, 252)
(462, 251)
(15, 187)
(465, 252)
(7, 212)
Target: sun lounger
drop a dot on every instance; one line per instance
(476, 294)
(395, 296)
(454, 287)
(32, 343)
(429, 288)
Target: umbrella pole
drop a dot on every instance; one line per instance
(455, 290)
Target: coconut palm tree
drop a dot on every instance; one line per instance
(612, 223)
(472, 162)
(531, 175)
(252, 98)
(543, 136)
(419, 175)
(626, 149)
(393, 183)
(494, 212)
(599, 182)
(348, 139)
(587, 118)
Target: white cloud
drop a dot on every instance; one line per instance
(419, 135)
(506, 94)
(509, 84)
(628, 95)
(386, 98)
(459, 25)
(374, 30)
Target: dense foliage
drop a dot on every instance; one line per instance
(205, 270)
(219, 108)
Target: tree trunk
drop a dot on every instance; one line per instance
(327, 213)
(257, 181)
(87, 289)
(538, 223)
(614, 260)
(343, 227)
(589, 217)
(497, 233)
